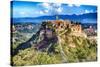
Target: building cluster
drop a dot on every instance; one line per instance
(75, 27)
(60, 24)
(21, 27)
(91, 31)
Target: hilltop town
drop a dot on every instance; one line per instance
(75, 27)
(65, 39)
(51, 30)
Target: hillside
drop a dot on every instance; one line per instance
(56, 42)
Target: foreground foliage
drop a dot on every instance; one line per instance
(84, 51)
(68, 49)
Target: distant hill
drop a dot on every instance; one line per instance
(84, 18)
(71, 17)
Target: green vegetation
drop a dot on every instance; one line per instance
(70, 49)
(18, 38)
(30, 56)
(83, 52)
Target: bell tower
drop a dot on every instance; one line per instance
(57, 17)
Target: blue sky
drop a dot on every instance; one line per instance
(36, 9)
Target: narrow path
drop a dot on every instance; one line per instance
(62, 52)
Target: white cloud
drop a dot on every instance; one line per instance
(41, 12)
(56, 4)
(59, 4)
(57, 7)
(22, 13)
(49, 7)
(46, 11)
(70, 5)
(78, 5)
(59, 10)
(85, 11)
(45, 5)
(88, 11)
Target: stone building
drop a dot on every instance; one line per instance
(76, 28)
(59, 24)
(62, 25)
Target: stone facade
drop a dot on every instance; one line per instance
(76, 28)
(59, 24)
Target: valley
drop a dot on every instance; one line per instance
(54, 41)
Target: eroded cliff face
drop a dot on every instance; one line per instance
(51, 33)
